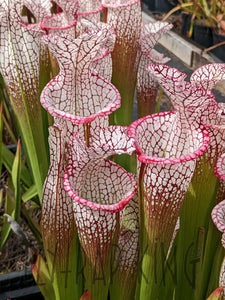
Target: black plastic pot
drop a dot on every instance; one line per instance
(202, 35)
(19, 286)
(160, 5)
(219, 51)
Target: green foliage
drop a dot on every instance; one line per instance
(208, 12)
(13, 196)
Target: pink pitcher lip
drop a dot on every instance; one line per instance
(112, 208)
(220, 224)
(87, 13)
(142, 157)
(55, 112)
(214, 126)
(218, 170)
(43, 27)
(119, 5)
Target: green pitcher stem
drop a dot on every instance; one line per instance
(194, 218)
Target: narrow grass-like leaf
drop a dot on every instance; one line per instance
(20, 73)
(30, 193)
(8, 159)
(1, 128)
(1, 197)
(33, 225)
(217, 294)
(43, 278)
(12, 206)
(16, 174)
(9, 208)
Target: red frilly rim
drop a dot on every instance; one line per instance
(43, 27)
(55, 112)
(219, 169)
(142, 157)
(112, 208)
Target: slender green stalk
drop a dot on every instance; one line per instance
(191, 245)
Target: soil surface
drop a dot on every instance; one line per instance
(15, 255)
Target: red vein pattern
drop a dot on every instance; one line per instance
(147, 85)
(99, 189)
(222, 275)
(183, 94)
(218, 217)
(208, 75)
(77, 93)
(114, 139)
(169, 153)
(151, 33)
(125, 260)
(219, 169)
(102, 63)
(69, 20)
(63, 22)
(39, 8)
(19, 56)
(57, 209)
(125, 19)
(19, 66)
(196, 104)
(128, 239)
(90, 10)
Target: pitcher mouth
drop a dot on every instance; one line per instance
(113, 208)
(142, 157)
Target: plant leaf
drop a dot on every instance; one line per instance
(16, 171)
(125, 255)
(100, 189)
(197, 106)
(1, 127)
(208, 75)
(217, 294)
(98, 99)
(43, 278)
(57, 225)
(167, 152)
(147, 86)
(86, 295)
(9, 208)
(8, 158)
(124, 53)
(20, 73)
(29, 194)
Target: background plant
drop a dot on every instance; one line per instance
(208, 13)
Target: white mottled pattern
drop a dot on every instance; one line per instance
(218, 217)
(100, 189)
(195, 104)
(77, 93)
(57, 209)
(167, 152)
